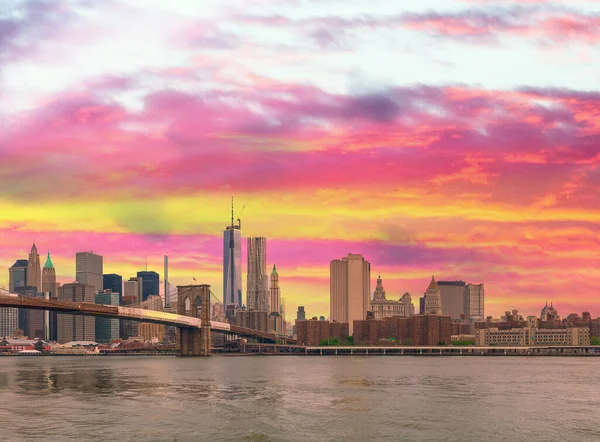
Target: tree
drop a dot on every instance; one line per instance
(350, 340)
(594, 340)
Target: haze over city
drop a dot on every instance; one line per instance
(454, 138)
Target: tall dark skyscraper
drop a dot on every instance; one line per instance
(17, 275)
(114, 283)
(232, 264)
(150, 283)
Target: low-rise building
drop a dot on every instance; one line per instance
(527, 336)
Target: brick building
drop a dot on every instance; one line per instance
(430, 329)
(369, 331)
(313, 331)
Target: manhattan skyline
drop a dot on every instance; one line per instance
(453, 138)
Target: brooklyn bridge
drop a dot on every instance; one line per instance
(194, 333)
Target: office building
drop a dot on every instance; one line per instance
(433, 299)
(257, 295)
(34, 270)
(232, 266)
(17, 275)
(474, 302)
(114, 283)
(150, 284)
(146, 330)
(89, 270)
(107, 329)
(132, 290)
(76, 327)
(452, 294)
(9, 321)
(30, 321)
(385, 308)
(349, 282)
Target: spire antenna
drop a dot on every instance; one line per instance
(232, 211)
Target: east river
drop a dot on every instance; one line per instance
(299, 398)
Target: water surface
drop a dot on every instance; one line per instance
(299, 398)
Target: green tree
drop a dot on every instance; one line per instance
(595, 340)
(350, 340)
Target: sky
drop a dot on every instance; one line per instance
(445, 137)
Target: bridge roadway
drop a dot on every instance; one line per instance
(135, 314)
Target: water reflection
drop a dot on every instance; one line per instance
(296, 398)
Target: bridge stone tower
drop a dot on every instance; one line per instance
(194, 342)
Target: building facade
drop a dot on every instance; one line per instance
(474, 300)
(107, 329)
(530, 336)
(150, 284)
(313, 331)
(17, 275)
(430, 329)
(433, 299)
(452, 294)
(381, 307)
(114, 283)
(253, 319)
(132, 289)
(258, 284)
(34, 269)
(349, 286)
(76, 327)
(9, 321)
(89, 270)
(147, 330)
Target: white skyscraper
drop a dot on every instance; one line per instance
(257, 296)
(89, 270)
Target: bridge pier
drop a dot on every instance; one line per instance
(193, 341)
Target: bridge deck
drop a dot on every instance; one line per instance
(131, 313)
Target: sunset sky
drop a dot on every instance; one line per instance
(445, 137)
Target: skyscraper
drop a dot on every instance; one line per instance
(34, 271)
(274, 292)
(114, 283)
(150, 284)
(132, 291)
(257, 291)
(107, 329)
(350, 287)
(76, 327)
(89, 270)
(474, 302)
(17, 275)
(49, 278)
(433, 299)
(232, 264)
(452, 296)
